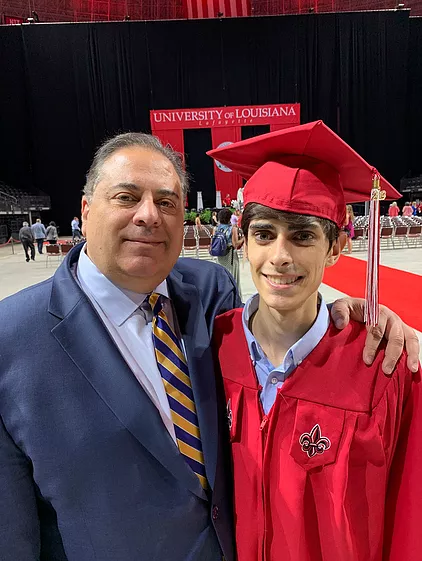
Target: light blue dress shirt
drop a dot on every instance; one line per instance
(269, 377)
(129, 324)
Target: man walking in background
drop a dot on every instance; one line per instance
(27, 240)
(38, 231)
(76, 230)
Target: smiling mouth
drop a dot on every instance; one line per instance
(146, 242)
(283, 280)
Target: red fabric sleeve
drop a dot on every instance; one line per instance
(403, 515)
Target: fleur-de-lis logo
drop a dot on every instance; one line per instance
(229, 413)
(313, 443)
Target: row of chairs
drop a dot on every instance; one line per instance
(196, 241)
(57, 250)
(362, 221)
(396, 235)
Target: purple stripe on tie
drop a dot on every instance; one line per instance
(183, 412)
(196, 466)
(167, 352)
(166, 327)
(187, 438)
(176, 382)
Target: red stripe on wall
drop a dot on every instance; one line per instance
(189, 9)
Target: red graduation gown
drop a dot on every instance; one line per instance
(334, 471)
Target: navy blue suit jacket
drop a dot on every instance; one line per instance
(87, 469)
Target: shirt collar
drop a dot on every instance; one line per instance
(118, 304)
(301, 348)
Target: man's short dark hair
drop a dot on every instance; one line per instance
(255, 211)
(224, 216)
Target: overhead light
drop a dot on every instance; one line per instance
(400, 6)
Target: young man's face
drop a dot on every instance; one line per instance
(287, 264)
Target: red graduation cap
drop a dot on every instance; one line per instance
(306, 169)
(310, 170)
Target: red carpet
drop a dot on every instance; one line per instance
(399, 290)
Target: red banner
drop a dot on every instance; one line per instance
(173, 137)
(11, 20)
(247, 115)
(226, 126)
(217, 8)
(225, 180)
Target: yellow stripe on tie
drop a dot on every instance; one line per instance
(191, 452)
(185, 425)
(162, 335)
(179, 396)
(170, 366)
(203, 480)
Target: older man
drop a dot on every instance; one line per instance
(112, 439)
(26, 237)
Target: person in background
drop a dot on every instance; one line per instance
(227, 200)
(415, 208)
(393, 210)
(407, 210)
(38, 231)
(51, 233)
(231, 260)
(348, 227)
(76, 231)
(27, 240)
(198, 222)
(214, 219)
(233, 218)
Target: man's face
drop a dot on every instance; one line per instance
(134, 222)
(287, 265)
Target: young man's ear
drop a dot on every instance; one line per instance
(336, 249)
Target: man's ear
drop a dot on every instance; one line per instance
(84, 214)
(336, 249)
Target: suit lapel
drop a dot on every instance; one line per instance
(84, 338)
(193, 328)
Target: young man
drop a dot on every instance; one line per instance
(326, 450)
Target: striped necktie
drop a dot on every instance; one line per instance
(175, 375)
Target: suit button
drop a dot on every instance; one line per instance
(215, 512)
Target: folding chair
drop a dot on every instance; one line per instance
(65, 248)
(360, 236)
(414, 234)
(386, 234)
(51, 251)
(400, 233)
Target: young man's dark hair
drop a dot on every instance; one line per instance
(224, 216)
(255, 211)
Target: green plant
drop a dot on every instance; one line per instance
(190, 216)
(205, 217)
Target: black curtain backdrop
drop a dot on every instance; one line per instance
(414, 102)
(65, 88)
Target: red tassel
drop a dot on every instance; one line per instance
(372, 297)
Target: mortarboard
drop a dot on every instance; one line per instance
(308, 169)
